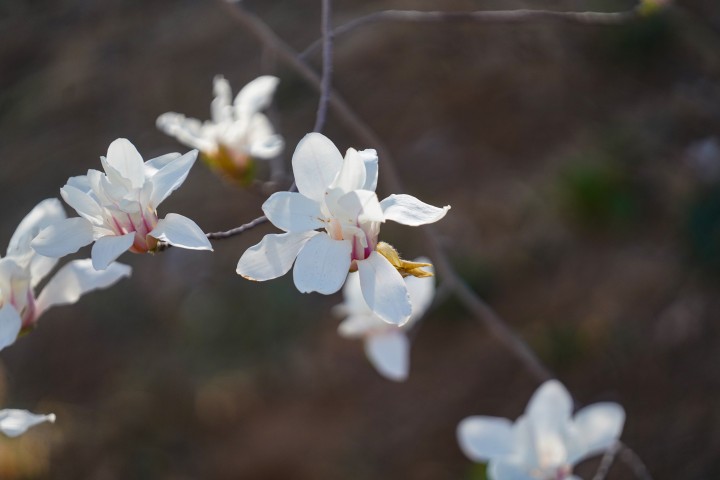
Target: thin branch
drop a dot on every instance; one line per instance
(607, 462)
(237, 230)
(501, 17)
(633, 461)
(481, 310)
(325, 82)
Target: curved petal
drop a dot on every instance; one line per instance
(293, 212)
(16, 422)
(256, 95)
(315, 163)
(352, 173)
(595, 429)
(273, 256)
(370, 158)
(408, 210)
(156, 164)
(262, 140)
(353, 301)
(108, 248)
(389, 353)
(181, 232)
(186, 130)
(322, 265)
(10, 325)
(86, 206)
(384, 289)
(484, 438)
(124, 157)
(170, 177)
(359, 326)
(63, 238)
(362, 205)
(421, 291)
(77, 278)
(45, 213)
(221, 107)
(504, 470)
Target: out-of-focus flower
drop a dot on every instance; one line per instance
(238, 132)
(647, 7)
(14, 422)
(118, 208)
(337, 196)
(22, 269)
(546, 441)
(386, 346)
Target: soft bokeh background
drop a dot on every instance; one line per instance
(583, 167)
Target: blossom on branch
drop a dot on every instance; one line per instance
(14, 422)
(22, 269)
(338, 196)
(118, 208)
(386, 346)
(238, 132)
(546, 441)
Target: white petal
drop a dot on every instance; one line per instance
(186, 130)
(256, 95)
(505, 470)
(124, 157)
(108, 248)
(352, 174)
(16, 422)
(81, 182)
(293, 212)
(421, 291)
(408, 210)
(370, 158)
(389, 352)
(551, 403)
(181, 232)
(322, 265)
(153, 165)
(273, 256)
(315, 163)
(221, 108)
(262, 140)
(63, 238)
(10, 325)
(484, 438)
(595, 429)
(170, 177)
(77, 278)
(45, 213)
(86, 206)
(360, 326)
(353, 301)
(362, 205)
(384, 289)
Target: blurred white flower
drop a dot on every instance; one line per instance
(386, 346)
(546, 441)
(238, 131)
(118, 208)
(337, 196)
(16, 422)
(22, 269)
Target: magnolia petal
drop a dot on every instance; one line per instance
(352, 173)
(384, 289)
(256, 95)
(86, 206)
(261, 138)
(124, 157)
(221, 108)
(408, 210)
(81, 182)
(293, 212)
(181, 232)
(363, 205)
(43, 214)
(360, 326)
(315, 163)
(63, 238)
(551, 403)
(170, 177)
(10, 325)
(421, 291)
(77, 278)
(484, 438)
(595, 428)
(273, 256)
(153, 165)
(322, 265)
(505, 470)
(187, 130)
(16, 422)
(389, 353)
(353, 301)
(370, 158)
(108, 248)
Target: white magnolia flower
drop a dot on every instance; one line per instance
(14, 422)
(22, 269)
(546, 441)
(118, 208)
(238, 131)
(386, 346)
(337, 196)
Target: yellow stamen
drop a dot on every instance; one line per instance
(405, 267)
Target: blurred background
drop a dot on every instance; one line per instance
(583, 167)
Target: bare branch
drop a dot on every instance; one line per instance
(237, 230)
(481, 310)
(500, 17)
(325, 82)
(633, 461)
(607, 462)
